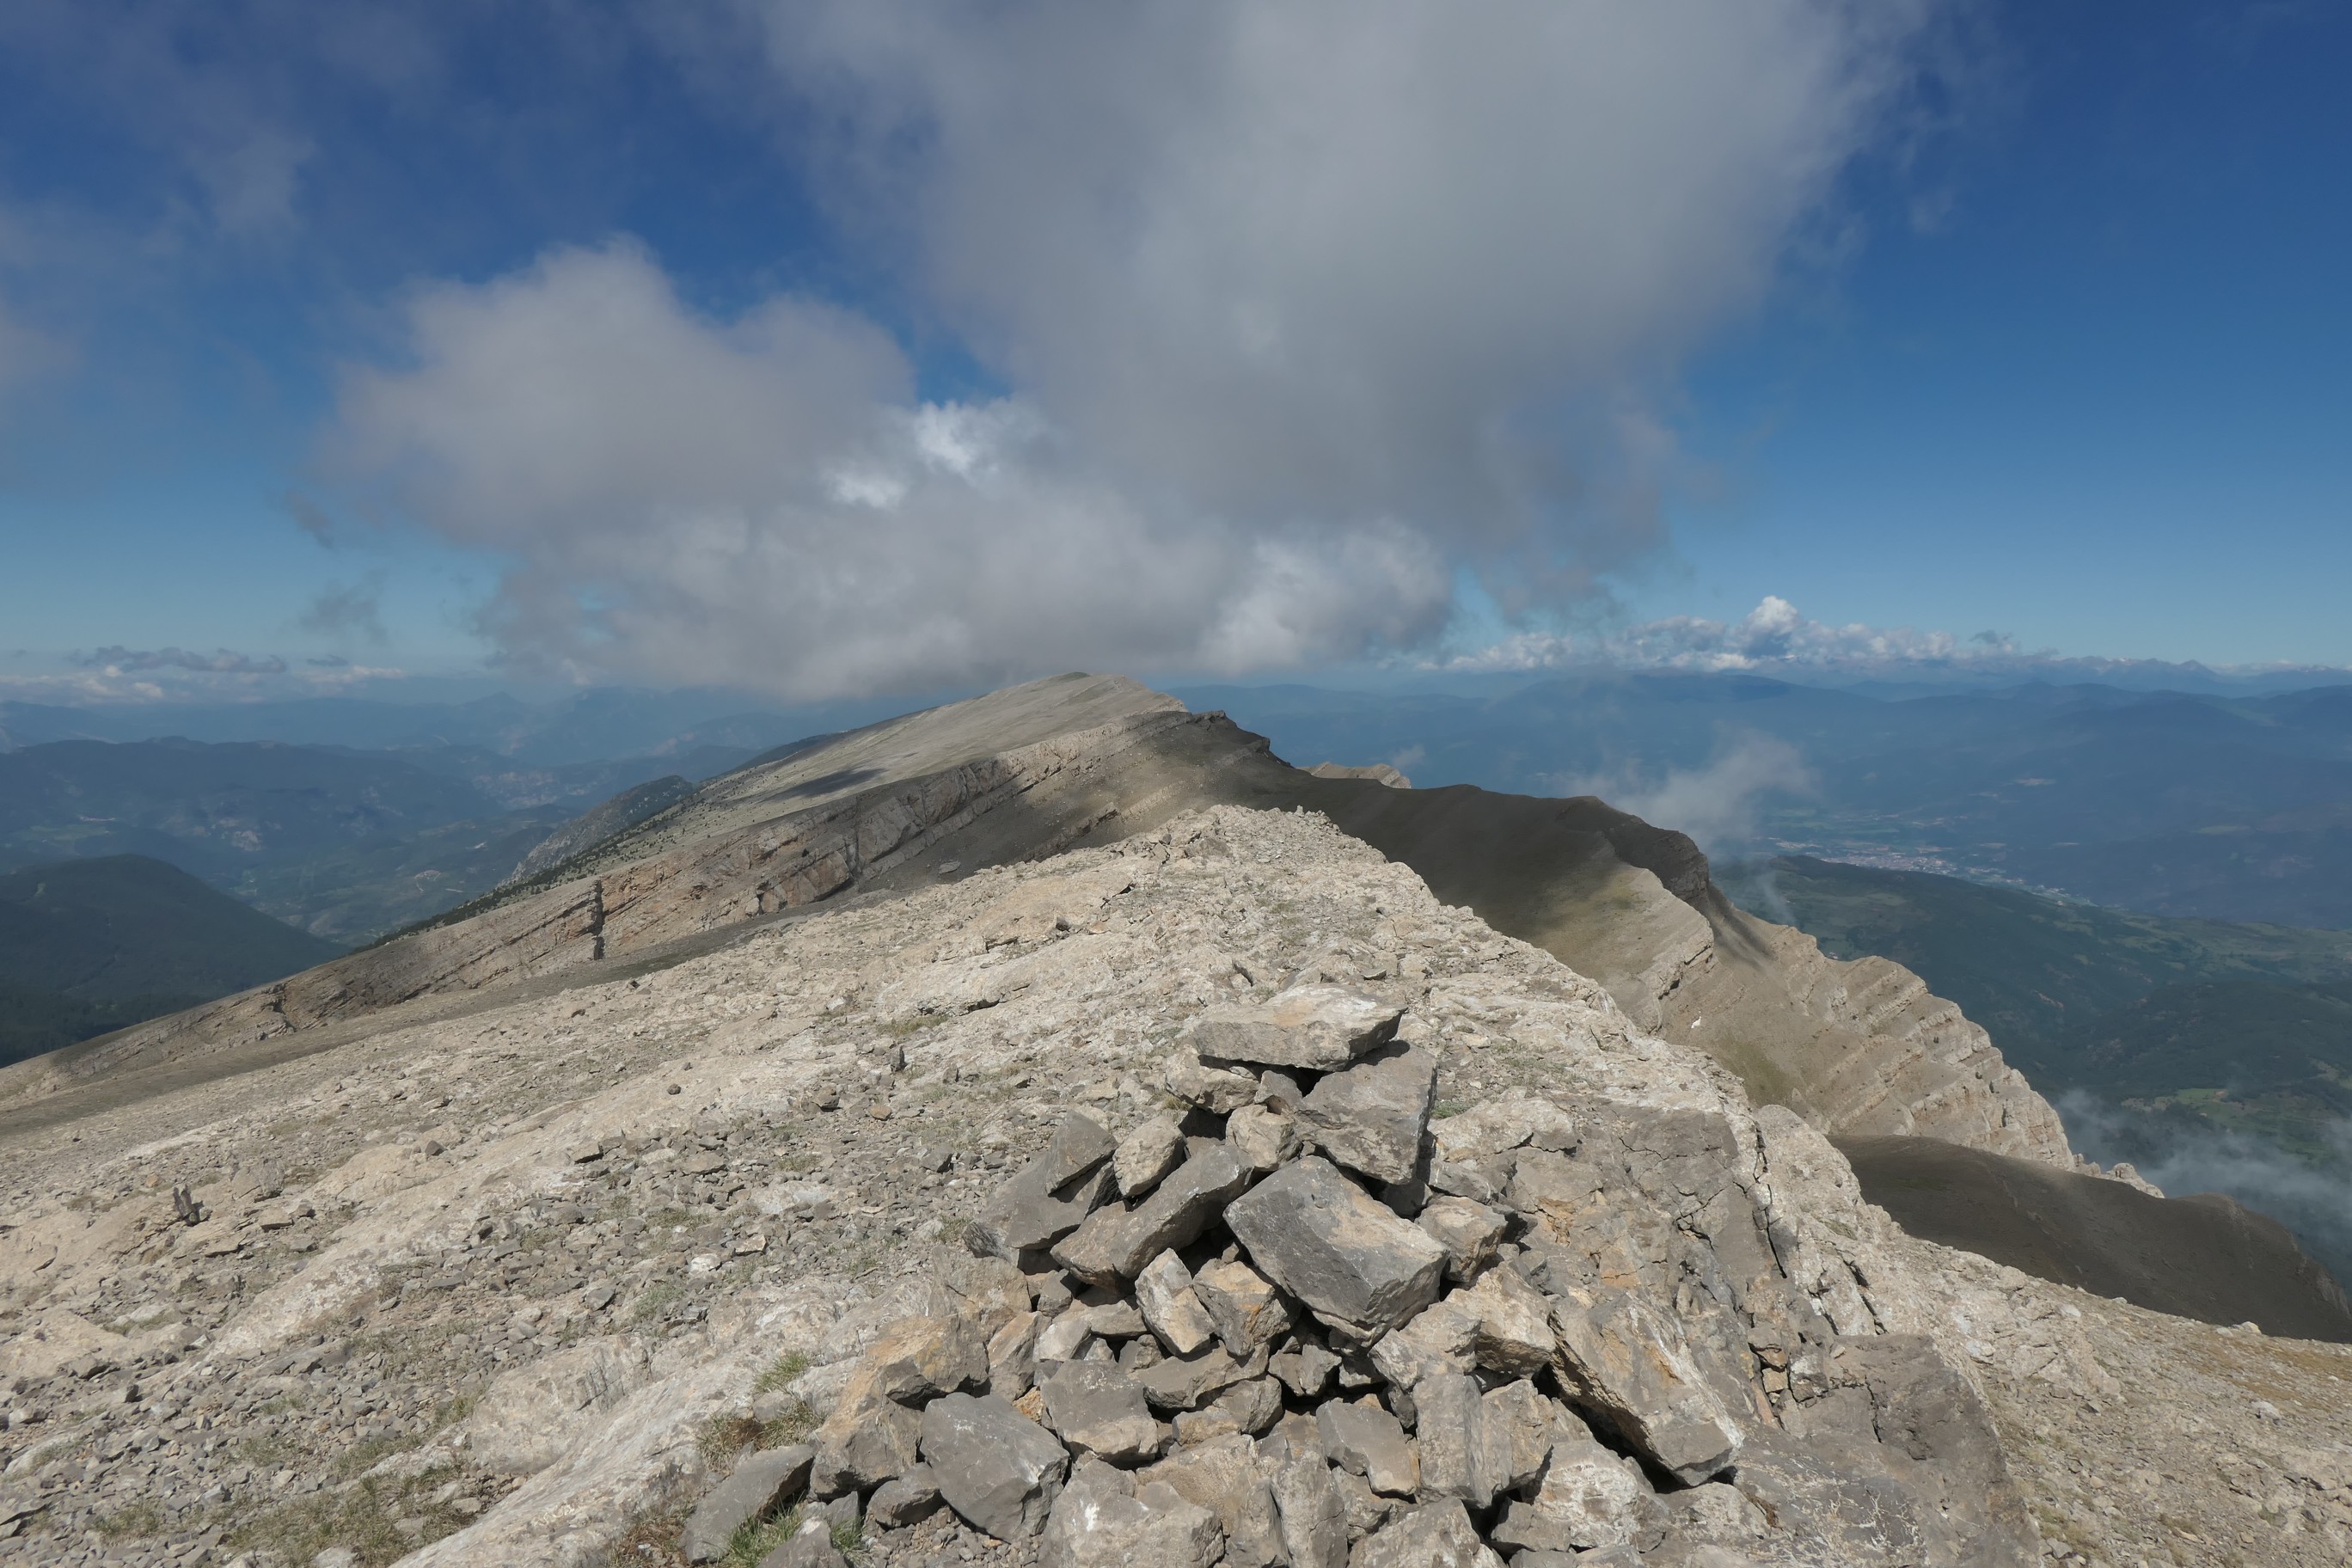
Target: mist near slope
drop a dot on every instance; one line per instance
(2182, 1154)
(1285, 316)
(1720, 804)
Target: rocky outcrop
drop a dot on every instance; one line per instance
(751, 1183)
(1859, 1049)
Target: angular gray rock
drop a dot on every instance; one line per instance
(1435, 1535)
(1463, 1455)
(873, 1433)
(1325, 1241)
(1370, 1116)
(810, 1547)
(1116, 1242)
(1214, 1090)
(1469, 1231)
(1514, 1337)
(1098, 1412)
(997, 1468)
(1366, 1440)
(1147, 1154)
(1313, 1518)
(1226, 1477)
(1246, 1311)
(905, 1499)
(1586, 1498)
(1526, 1421)
(1318, 1028)
(1103, 1520)
(1013, 1355)
(762, 1483)
(1263, 1139)
(1307, 1371)
(1623, 1362)
(1165, 1296)
(1189, 1381)
(1051, 1195)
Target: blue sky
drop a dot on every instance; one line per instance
(827, 349)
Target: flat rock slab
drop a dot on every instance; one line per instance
(1318, 1028)
(1365, 1440)
(1438, 1535)
(1099, 1411)
(1327, 1242)
(997, 1468)
(1103, 1520)
(1116, 1242)
(1370, 1116)
(1626, 1364)
(762, 1483)
(1165, 1296)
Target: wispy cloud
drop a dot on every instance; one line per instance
(1776, 638)
(1716, 804)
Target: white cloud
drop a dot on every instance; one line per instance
(1302, 308)
(1776, 638)
(1715, 805)
(759, 501)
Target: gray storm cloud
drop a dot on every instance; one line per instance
(1301, 309)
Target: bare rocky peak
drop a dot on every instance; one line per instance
(1383, 1238)
(1030, 770)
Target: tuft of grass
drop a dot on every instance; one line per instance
(755, 1538)
(141, 1518)
(658, 1299)
(360, 1518)
(782, 1373)
(1445, 1108)
(724, 1436)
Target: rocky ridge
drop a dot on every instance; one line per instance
(1856, 1048)
(539, 1284)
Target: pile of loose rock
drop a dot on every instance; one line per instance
(1309, 1322)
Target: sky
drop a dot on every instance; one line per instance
(831, 348)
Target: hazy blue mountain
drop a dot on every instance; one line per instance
(88, 946)
(2235, 807)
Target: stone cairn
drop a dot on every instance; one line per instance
(1303, 1323)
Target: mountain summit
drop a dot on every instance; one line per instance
(1053, 1119)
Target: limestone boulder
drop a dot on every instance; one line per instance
(1099, 1412)
(761, 1483)
(1315, 1027)
(1147, 1154)
(1365, 1440)
(1164, 1293)
(1103, 1520)
(1435, 1535)
(1326, 1242)
(1469, 1231)
(1370, 1116)
(997, 1468)
(1248, 1312)
(1115, 1243)
(1626, 1365)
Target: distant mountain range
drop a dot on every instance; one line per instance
(2230, 807)
(346, 844)
(90, 946)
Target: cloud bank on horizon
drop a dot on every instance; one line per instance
(1293, 313)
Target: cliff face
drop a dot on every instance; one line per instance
(1856, 1048)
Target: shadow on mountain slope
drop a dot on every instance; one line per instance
(2205, 1256)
